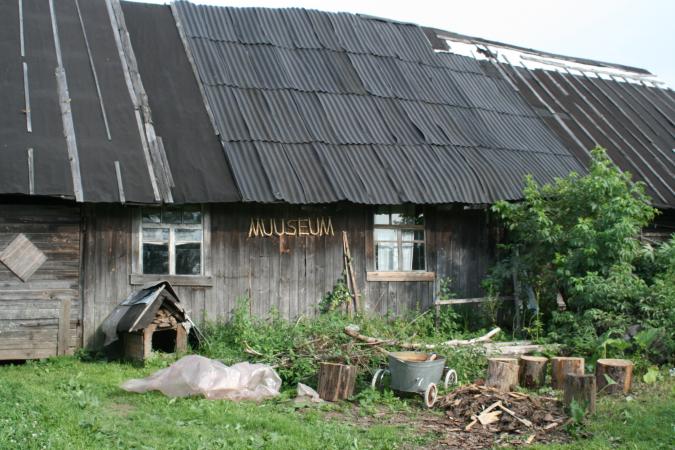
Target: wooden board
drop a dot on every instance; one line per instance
(22, 257)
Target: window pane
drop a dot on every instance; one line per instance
(156, 258)
(188, 259)
(188, 234)
(155, 234)
(386, 256)
(412, 235)
(171, 214)
(418, 257)
(152, 215)
(192, 214)
(408, 216)
(412, 257)
(381, 219)
(384, 234)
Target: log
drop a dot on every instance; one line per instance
(561, 366)
(502, 373)
(532, 371)
(619, 370)
(580, 388)
(353, 331)
(336, 381)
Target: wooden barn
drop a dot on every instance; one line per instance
(226, 150)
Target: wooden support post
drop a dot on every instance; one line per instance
(336, 381)
(561, 366)
(502, 373)
(532, 371)
(181, 339)
(63, 334)
(619, 370)
(580, 388)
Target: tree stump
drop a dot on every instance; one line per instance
(561, 366)
(336, 381)
(532, 371)
(619, 370)
(502, 373)
(580, 388)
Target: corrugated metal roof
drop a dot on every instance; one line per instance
(317, 107)
(633, 121)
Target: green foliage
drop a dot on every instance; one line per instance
(578, 236)
(337, 297)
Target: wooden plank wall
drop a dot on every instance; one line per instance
(289, 274)
(29, 311)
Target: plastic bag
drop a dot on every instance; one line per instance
(307, 394)
(197, 375)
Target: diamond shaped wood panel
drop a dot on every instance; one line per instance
(22, 257)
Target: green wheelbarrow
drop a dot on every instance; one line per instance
(417, 373)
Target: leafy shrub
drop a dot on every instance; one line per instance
(578, 237)
(296, 348)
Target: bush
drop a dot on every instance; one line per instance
(578, 237)
(296, 348)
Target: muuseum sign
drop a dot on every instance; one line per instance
(301, 226)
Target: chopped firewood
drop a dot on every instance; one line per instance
(551, 425)
(503, 414)
(487, 418)
(473, 422)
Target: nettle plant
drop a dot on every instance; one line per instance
(578, 236)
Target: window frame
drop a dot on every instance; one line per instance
(374, 274)
(137, 277)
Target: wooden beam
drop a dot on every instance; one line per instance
(26, 95)
(400, 276)
(93, 71)
(120, 186)
(63, 339)
(175, 280)
(461, 301)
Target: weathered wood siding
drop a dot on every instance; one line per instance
(289, 274)
(30, 311)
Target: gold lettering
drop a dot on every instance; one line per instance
(303, 224)
(326, 229)
(292, 229)
(283, 227)
(264, 230)
(311, 231)
(255, 229)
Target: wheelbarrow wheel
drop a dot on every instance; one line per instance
(377, 379)
(450, 378)
(430, 395)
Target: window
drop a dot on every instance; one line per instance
(398, 236)
(172, 240)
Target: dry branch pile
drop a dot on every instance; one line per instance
(483, 417)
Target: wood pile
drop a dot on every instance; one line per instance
(164, 319)
(488, 416)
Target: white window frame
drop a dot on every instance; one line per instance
(399, 228)
(138, 277)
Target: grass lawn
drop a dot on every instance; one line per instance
(67, 403)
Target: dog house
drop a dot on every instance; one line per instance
(149, 319)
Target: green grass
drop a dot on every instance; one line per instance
(66, 403)
(644, 420)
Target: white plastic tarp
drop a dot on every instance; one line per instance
(197, 375)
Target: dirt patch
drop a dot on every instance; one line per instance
(445, 426)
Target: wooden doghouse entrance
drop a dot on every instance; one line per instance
(164, 334)
(151, 319)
